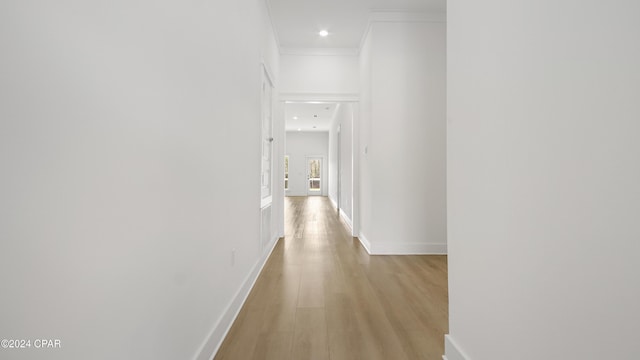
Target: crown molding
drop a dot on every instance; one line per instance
(273, 26)
(319, 51)
(319, 97)
(390, 15)
(400, 16)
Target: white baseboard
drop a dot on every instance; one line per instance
(346, 220)
(409, 249)
(452, 351)
(402, 248)
(365, 243)
(212, 343)
(333, 202)
(342, 214)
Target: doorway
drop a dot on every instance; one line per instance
(314, 176)
(335, 171)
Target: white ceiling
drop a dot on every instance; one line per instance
(310, 117)
(297, 22)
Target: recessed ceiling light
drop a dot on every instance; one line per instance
(299, 129)
(323, 33)
(315, 116)
(295, 118)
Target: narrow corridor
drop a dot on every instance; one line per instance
(321, 296)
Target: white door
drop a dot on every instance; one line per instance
(314, 176)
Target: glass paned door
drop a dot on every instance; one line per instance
(314, 176)
(286, 172)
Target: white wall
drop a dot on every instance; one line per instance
(403, 129)
(543, 179)
(364, 185)
(301, 145)
(279, 135)
(319, 74)
(344, 120)
(122, 123)
(270, 53)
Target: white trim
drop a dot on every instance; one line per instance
(452, 350)
(212, 343)
(365, 243)
(319, 51)
(273, 28)
(280, 145)
(355, 169)
(271, 78)
(399, 16)
(266, 201)
(392, 15)
(402, 248)
(408, 249)
(324, 97)
(333, 203)
(346, 220)
(333, 117)
(344, 216)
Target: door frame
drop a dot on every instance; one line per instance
(338, 168)
(323, 175)
(356, 150)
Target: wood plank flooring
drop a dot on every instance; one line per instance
(321, 296)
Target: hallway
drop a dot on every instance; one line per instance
(321, 296)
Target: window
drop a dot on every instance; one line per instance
(286, 172)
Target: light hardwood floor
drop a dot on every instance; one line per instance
(321, 296)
